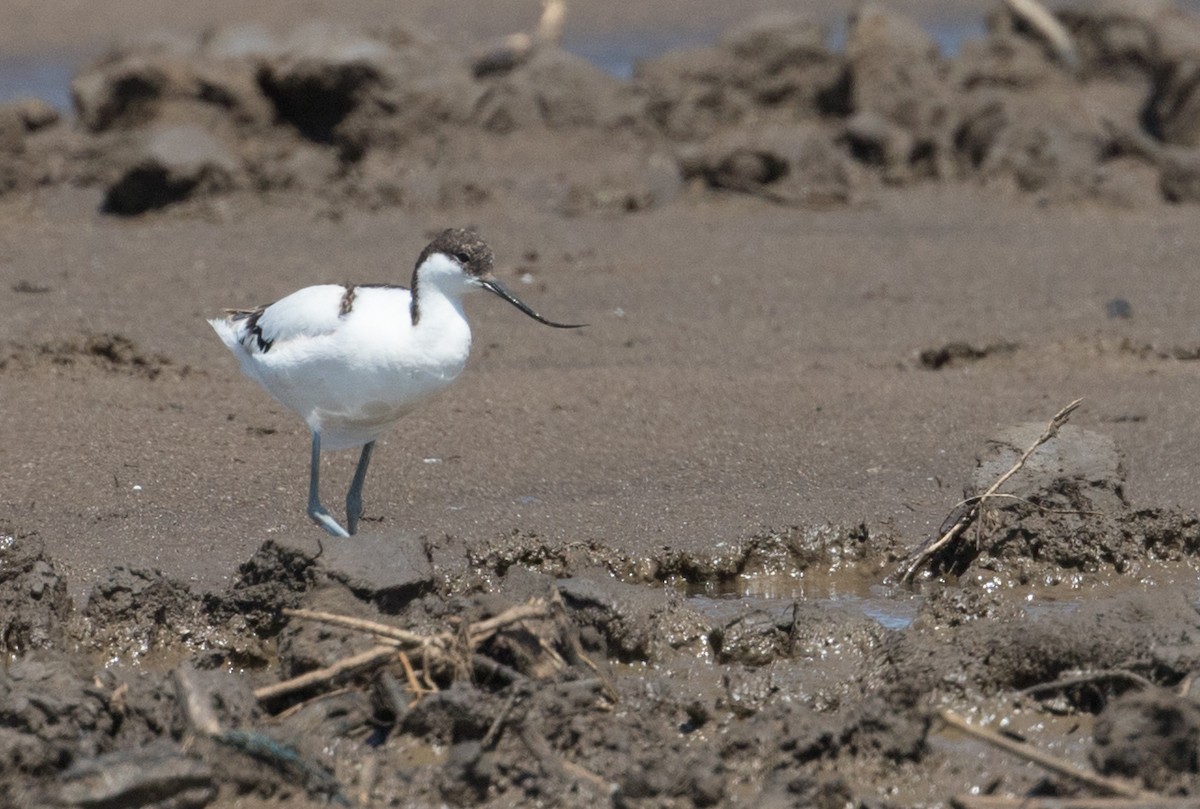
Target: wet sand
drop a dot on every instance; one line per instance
(781, 393)
(746, 368)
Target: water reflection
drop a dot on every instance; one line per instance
(851, 593)
(44, 77)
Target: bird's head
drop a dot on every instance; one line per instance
(458, 260)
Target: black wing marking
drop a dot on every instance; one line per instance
(251, 317)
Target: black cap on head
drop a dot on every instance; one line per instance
(475, 257)
(465, 247)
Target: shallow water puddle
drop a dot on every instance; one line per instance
(893, 607)
(850, 592)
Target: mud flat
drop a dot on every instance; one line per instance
(688, 556)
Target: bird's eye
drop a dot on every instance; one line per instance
(462, 258)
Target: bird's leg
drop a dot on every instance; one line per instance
(354, 496)
(316, 511)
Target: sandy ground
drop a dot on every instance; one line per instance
(746, 368)
(711, 487)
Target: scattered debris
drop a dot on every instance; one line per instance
(956, 353)
(965, 513)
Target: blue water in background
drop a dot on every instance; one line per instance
(49, 77)
(616, 55)
(44, 77)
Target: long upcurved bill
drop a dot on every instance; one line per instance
(495, 286)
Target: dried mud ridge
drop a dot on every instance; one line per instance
(560, 673)
(957, 353)
(110, 352)
(1108, 110)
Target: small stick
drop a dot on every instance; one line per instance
(362, 625)
(1047, 26)
(575, 648)
(550, 25)
(117, 699)
(432, 647)
(367, 776)
(554, 656)
(517, 48)
(1089, 677)
(411, 676)
(427, 670)
(196, 706)
(292, 710)
(485, 666)
(536, 743)
(969, 515)
(480, 631)
(1031, 504)
(581, 773)
(1018, 802)
(476, 632)
(1109, 786)
(364, 660)
(493, 733)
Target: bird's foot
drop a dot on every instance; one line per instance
(324, 519)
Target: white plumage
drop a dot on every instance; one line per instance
(351, 376)
(352, 360)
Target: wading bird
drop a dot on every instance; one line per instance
(352, 359)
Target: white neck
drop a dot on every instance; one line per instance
(437, 289)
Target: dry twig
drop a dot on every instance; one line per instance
(452, 649)
(402, 636)
(411, 676)
(555, 765)
(1088, 677)
(968, 515)
(201, 718)
(349, 665)
(1046, 25)
(484, 666)
(493, 733)
(517, 48)
(480, 631)
(203, 724)
(1019, 802)
(1101, 783)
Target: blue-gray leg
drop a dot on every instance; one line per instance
(316, 511)
(354, 496)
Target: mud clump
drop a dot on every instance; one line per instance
(132, 611)
(52, 713)
(1062, 516)
(387, 668)
(1152, 736)
(34, 603)
(957, 353)
(390, 118)
(170, 164)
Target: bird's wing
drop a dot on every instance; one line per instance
(309, 312)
